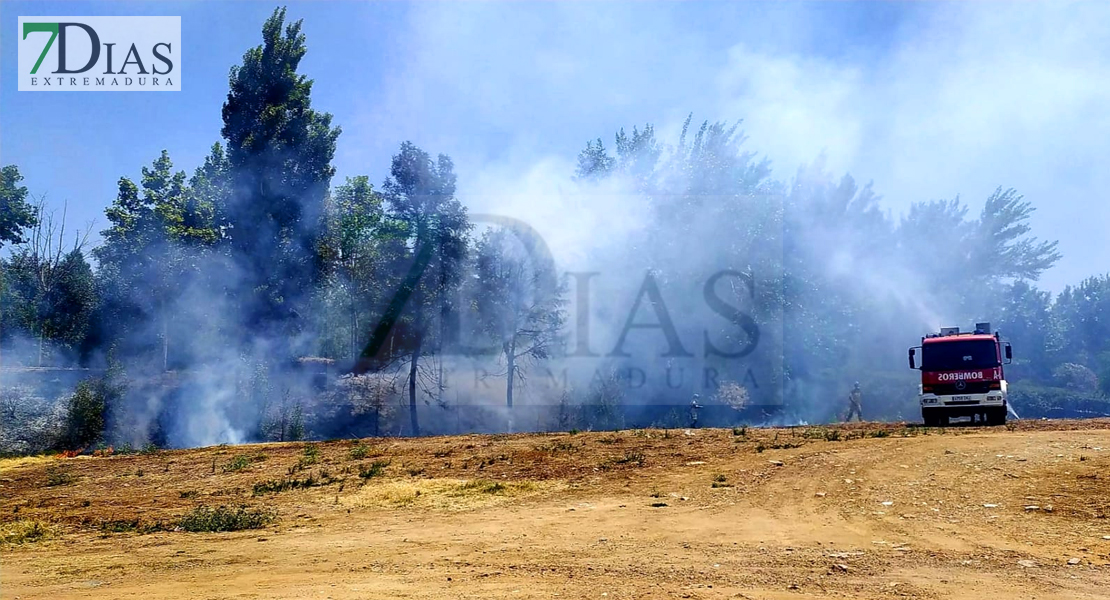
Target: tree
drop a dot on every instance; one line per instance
(1023, 317)
(49, 289)
(149, 251)
(279, 154)
(519, 305)
(1081, 322)
(16, 214)
(638, 154)
(1002, 245)
(420, 194)
(358, 256)
(594, 162)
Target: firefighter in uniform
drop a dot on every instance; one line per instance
(694, 406)
(854, 405)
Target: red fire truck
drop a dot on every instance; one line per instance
(961, 376)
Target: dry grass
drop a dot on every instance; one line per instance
(444, 494)
(24, 531)
(12, 464)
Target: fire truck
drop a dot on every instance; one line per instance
(961, 376)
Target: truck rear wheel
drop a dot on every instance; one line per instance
(996, 415)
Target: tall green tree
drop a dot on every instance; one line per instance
(279, 152)
(420, 194)
(359, 254)
(149, 253)
(16, 214)
(1023, 316)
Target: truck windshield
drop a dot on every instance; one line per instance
(953, 356)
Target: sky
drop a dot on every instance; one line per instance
(928, 100)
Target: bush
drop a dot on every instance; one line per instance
(222, 518)
(1032, 401)
(23, 532)
(84, 423)
(237, 464)
(1076, 377)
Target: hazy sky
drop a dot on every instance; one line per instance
(928, 100)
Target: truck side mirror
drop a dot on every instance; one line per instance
(1009, 353)
(913, 351)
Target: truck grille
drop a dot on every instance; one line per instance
(972, 387)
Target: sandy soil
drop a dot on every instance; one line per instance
(860, 511)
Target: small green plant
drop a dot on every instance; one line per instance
(23, 532)
(237, 464)
(740, 431)
(188, 494)
(309, 457)
(880, 433)
(760, 447)
(150, 448)
(222, 518)
(376, 469)
(311, 454)
(573, 432)
(359, 452)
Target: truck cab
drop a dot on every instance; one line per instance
(962, 376)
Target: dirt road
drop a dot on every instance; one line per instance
(867, 511)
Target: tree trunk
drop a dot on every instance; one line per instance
(510, 359)
(413, 373)
(354, 327)
(165, 338)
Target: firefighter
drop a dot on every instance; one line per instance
(694, 406)
(854, 405)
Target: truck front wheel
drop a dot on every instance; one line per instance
(932, 417)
